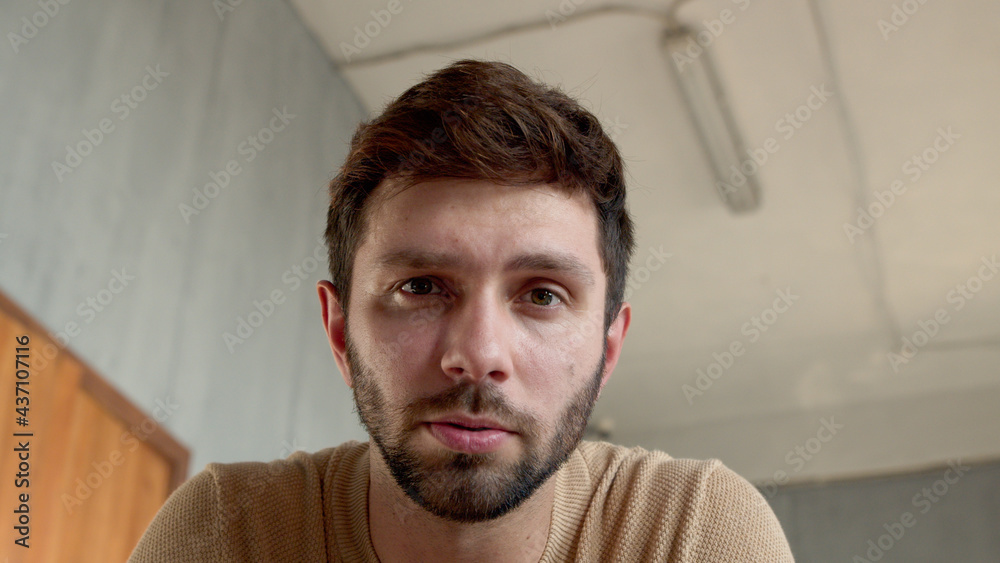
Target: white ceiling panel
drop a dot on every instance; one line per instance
(856, 296)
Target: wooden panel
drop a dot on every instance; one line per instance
(99, 467)
(112, 487)
(148, 473)
(53, 397)
(8, 461)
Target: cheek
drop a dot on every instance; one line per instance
(397, 347)
(566, 346)
(554, 363)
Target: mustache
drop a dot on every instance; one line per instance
(474, 399)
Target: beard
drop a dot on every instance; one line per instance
(459, 486)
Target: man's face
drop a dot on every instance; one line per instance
(475, 342)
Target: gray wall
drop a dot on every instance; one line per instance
(953, 515)
(64, 234)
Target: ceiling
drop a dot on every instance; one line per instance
(903, 76)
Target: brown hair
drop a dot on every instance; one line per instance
(482, 120)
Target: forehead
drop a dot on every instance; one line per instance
(394, 195)
(455, 220)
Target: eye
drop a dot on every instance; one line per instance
(543, 297)
(420, 286)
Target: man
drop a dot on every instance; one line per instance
(479, 245)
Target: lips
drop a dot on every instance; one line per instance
(468, 434)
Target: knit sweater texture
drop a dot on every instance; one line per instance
(611, 504)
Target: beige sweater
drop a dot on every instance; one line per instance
(611, 504)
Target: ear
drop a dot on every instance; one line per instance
(335, 324)
(616, 339)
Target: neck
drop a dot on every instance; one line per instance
(403, 531)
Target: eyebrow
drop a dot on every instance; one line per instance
(556, 262)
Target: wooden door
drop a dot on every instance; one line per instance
(94, 467)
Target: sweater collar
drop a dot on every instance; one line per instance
(349, 537)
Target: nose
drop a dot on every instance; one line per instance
(478, 339)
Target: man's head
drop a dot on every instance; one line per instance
(482, 121)
(479, 240)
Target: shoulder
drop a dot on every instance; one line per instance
(693, 510)
(184, 529)
(235, 511)
(650, 471)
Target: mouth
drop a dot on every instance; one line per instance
(463, 427)
(469, 435)
(463, 422)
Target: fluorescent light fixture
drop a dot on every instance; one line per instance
(717, 132)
